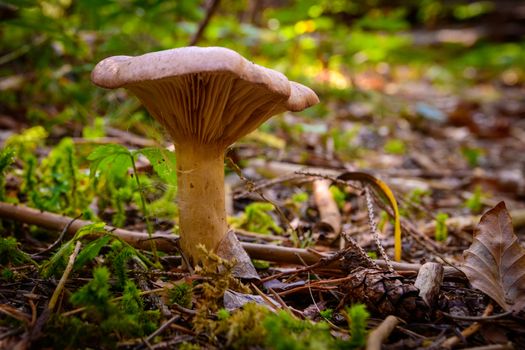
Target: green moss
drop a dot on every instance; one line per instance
(441, 232)
(10, 254)
(243, 328)
(256, 218)
(116, 320)
(284, 332)
(181, 294)
(357, 319)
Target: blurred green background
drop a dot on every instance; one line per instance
(343, 49)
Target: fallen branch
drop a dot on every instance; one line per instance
(56, 222)
(168, 242)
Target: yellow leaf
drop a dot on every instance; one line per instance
(383, 188)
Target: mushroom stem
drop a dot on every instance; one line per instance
(202, 213)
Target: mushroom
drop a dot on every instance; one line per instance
(206, 98)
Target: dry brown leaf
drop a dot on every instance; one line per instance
(495, 261)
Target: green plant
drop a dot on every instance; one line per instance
(242, 329)
(10, 254)
(357, 319)
(299, 198)
(339, 196)
(475, 202)
(96, 130)
(441, 232)
(111, 163)
(414, 200)
(117, 256)
(256, 218)
(345, 142)
(472, 155)
(55, 184)
(181, 294)
(7, 274)
(126, 318)
(7, 157)
(284, 332)
(327, 314)
(55, 265)
(395, 146)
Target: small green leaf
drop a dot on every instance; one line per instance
(56, 265)
(90, 251)
(111, 159)
(163, 162)
(95, 228)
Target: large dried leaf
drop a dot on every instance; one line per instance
(495, 262)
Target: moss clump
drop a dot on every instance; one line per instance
(243, 328)
(285, 332)
(181, 294)
(210, 293)
(104, 321)
(11, 255)
(358, 320)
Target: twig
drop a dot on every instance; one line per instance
(507, 346)
(478, 318)
(251, 187)
(467, 332)
(63, 279)
(266, 299)
(261, 185)
(158, 331)
(52, 221)
(376, 337)
(59, 239)
(320, 262)
(381, 333)
(202, 26)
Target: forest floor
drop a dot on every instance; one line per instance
(449, 152)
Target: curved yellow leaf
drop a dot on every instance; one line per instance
(383, 188)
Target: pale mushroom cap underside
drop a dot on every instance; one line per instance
(206, 94)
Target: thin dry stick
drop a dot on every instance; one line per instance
(202, 26)
(63, 279)
(251, 187)
(261, 185)
(381, 333)
(324, 261)
(159, 330)
(507, 346)
(467, 332)
(373, 228)
(478, 318)
(59, 239)
(266, 299)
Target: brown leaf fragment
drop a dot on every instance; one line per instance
(495, 261)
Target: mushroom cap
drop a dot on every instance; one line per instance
(205, 94)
